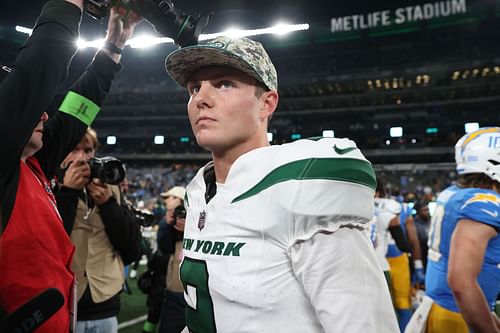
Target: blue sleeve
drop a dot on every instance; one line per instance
(483, 207)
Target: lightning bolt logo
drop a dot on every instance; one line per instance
(475, 134)
(483, 197)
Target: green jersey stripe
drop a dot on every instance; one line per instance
(343, 169)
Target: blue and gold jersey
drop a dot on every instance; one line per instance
(453, 205)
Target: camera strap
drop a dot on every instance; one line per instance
(87, 204)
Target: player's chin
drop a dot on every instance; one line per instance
(206, 139)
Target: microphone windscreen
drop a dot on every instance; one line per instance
(33, 313)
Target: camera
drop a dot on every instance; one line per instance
(145, 218)
(167, 20)
(179, 212)
(108, 169)
(98, 9)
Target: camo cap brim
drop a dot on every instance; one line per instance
(242, 54)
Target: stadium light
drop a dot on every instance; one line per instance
(328, 133)
(159, 139)
(111, 140)
(148, 41)
(269, 137)
(396, 132)
(471, 127)
(24, 30)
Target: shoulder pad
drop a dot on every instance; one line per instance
(482, 206)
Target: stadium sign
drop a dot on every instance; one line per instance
(401, 15)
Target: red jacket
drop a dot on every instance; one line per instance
(44, 251)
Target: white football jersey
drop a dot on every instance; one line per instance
(385, 210)
(261, 256)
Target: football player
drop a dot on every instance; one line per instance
(462, 278)
(276, 236)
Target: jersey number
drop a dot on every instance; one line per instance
(200, 308)
(435, 233)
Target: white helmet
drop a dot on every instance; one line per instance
(479, 152)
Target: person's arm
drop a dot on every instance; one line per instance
(66, 127)
(40, 68)
(67, 202)
(166, 238)
(78, 110)
(398, 234)
(121, 227)
(342, 279)
(416, 252)
(467, 249)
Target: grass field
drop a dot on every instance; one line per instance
(133, 306)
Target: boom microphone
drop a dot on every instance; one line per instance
(33, 313)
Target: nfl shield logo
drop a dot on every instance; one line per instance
(201, 220)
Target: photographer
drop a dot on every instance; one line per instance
(35, 252)
(170, 239)
(105, 233)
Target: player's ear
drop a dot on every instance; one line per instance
(269, 103)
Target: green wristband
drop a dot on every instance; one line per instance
(79, 107)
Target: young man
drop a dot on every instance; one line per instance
(462, 278)
(275, 237)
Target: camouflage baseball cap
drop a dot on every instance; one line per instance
(242, 54)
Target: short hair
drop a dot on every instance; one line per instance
(93, 137)
(260, 89)
(479, 180)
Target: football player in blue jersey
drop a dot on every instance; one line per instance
(463, 269)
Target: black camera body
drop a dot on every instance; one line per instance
(167, 20)
(108, 169)
(98, 9)
(179, 212)
(143, 217)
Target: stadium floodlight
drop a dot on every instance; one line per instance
(24, 30)
(83, 44)
(396, 132)
(111, 140)
(471, 127)
(270, 137)
(147, 41)
(328, 133)
(159, 139)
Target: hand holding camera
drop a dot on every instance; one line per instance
(77, 175)
(121, 25)
(161, 14)
(99, 192)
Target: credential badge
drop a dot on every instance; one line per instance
(201, 220)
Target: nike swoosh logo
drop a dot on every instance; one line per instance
(490, 213)
(342, 151)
